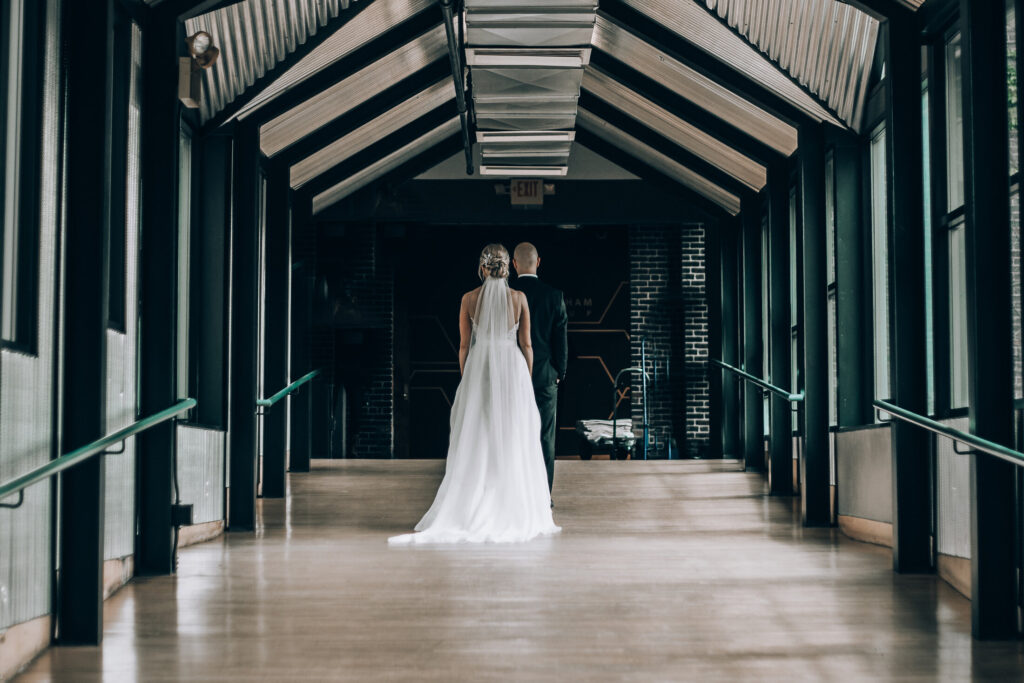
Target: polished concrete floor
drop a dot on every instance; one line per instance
(665, 571)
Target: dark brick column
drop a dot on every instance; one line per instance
(359, 340)
(668, 308)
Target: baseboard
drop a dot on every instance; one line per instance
(116, 573)
(198, 533)
(22, 643)
(956, 571)
(866, 530)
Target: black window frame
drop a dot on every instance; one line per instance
(28, 168)
(117, 296)
(942, 221)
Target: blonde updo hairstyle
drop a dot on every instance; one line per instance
(494, 262)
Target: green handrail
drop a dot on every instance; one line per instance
(79, 455)
(267, 402)
(972, 440)
(792, 398)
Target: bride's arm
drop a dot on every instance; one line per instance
(525, 345)
(465, 333)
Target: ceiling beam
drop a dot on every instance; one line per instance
(687, 110)
(641, 169)
(376, 106)
(312, 42)
(885, 9)
(680, 49)
(348, 166)
(343, 68)
(367, 198)
(610, 113)
(187, 9)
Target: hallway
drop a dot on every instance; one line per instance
(664, 571)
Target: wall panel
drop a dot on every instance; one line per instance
(26, 388)
(201, 471)
(953, 496)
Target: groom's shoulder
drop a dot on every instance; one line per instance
(552, 291)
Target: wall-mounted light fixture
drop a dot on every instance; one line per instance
(203, 55)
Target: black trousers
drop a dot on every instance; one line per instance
(547, 403)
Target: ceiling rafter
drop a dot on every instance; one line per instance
(667, 165)
(697, 142)
(229, 83)
(346, 166)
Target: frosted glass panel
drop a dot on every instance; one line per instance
(958, 386)
(954, 125)
(880, 261)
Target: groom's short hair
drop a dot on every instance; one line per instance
(526, 255)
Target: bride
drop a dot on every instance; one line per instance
(495, 487)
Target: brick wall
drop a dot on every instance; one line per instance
(360, 325)
(669, 316)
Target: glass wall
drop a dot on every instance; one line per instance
(955, 240)
(184, 251)
(880, 261)
(830, 277)
(20, 116)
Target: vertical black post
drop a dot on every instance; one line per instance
(814, 475)
(911, 479)
(780, 465)
(713, 278)
(989, 349)
(244, 314)
(158, 274)
(89, 36)
(730, 243)
(275, 350)
(301, 329)
(753, 404)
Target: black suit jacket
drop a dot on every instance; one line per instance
(548, 321)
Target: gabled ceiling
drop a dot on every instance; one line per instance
(708, 93)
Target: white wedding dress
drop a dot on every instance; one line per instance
(495, 487)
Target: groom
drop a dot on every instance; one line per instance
(550, 347)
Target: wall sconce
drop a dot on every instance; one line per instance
(204, 54)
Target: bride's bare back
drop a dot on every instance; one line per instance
(520, 313)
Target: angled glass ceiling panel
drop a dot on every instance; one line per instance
(695, 24)
(253, 36)
(666, 124)
(825, 45)
(503, 83)
(526, 60)
(384, 165)
(373, 131)
(652, 157)
(332, 102)
(376, 19)
(694, 86)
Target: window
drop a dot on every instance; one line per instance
(123, 83)
(958, 387)
(1011, 83)
(184, 253)
(794, 297)
(954, 125)
(880, 261)
(1014, 125)
(830, 259)
(11, 106)
(766, 366)
(929, 314)
(20, 113)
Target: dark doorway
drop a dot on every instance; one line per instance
(589, 264)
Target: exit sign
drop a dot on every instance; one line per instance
(526, 191)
